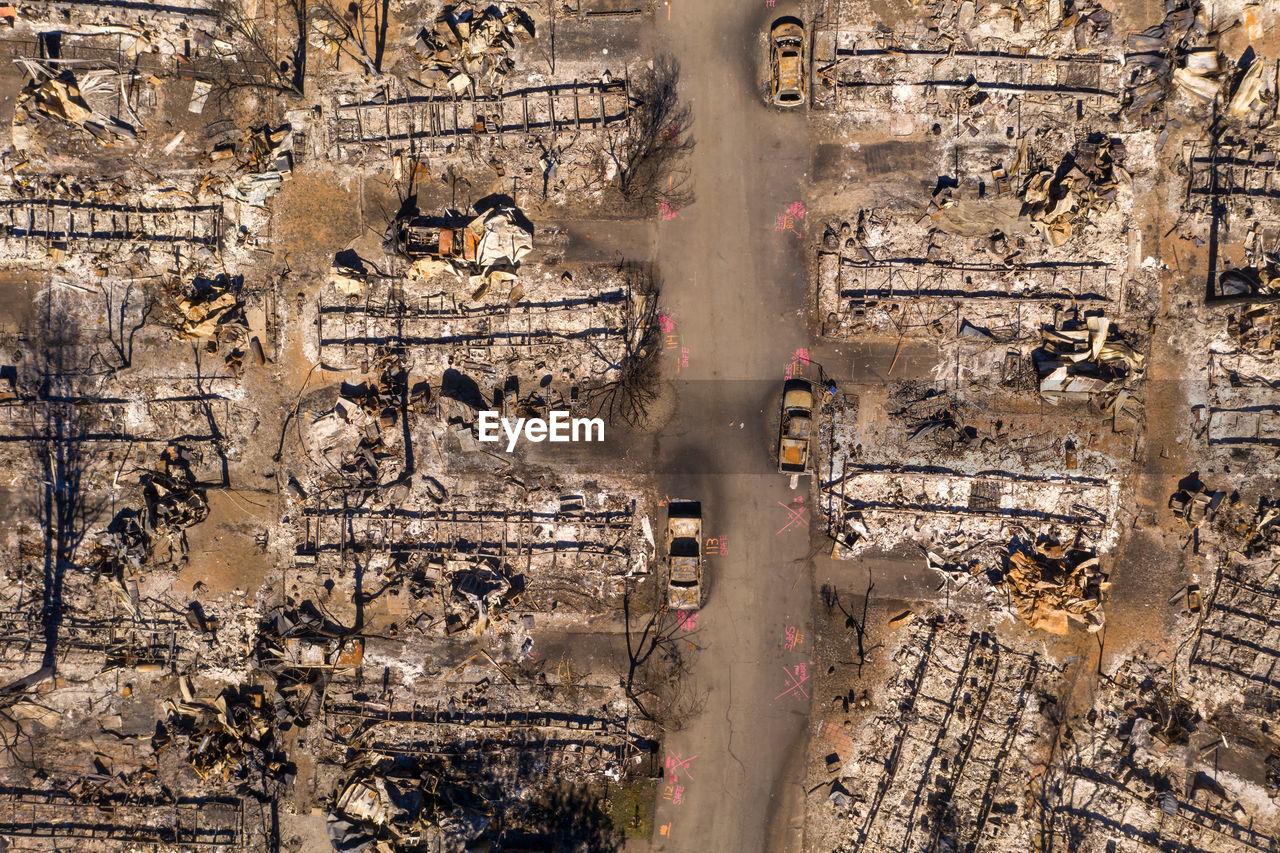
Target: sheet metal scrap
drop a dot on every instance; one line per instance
(1157, 53)
(59, 94)
(943, 428)
(1085, 361)
(228, 739)
(1051, 584)
(398, 807)
(383, 398)
(1262, 280)
(1090, 23)
(468, 44)
(1256, 93)
(1199, 74)
(211, 305)
(1060, 200)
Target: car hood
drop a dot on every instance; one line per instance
(798, 398)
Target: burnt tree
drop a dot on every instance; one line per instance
(275, 48)
(628, 396)
(56, 389)
(650, 154)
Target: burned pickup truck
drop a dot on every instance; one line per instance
(796, 426)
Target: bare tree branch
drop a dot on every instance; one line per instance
(284, 71)
(120, 338)
(649, 155)
(348, 22)
(628, 397)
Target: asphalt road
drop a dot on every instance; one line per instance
(735, 287)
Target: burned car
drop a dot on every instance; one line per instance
(684, 555)
(786, 62)
(426, 237)
(495, 240)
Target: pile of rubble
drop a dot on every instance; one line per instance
(991, 258)
(174, 499)
(1176, 56)
(1145, 765)
(1084, 360)
(358, 438)
(474, 555)
(228, 740)
(1049, 584)
(1194, 503)
(122, 547)
(249, 167)
(302, 649)
(1228, 662)
(1014, 506)
(1253, 329)
(468, 44)
(1060, 200)
(304, 638)
(470, 762)
(208, 306)
(58, 94)
(938, 748)
(968, 431)
(478, 592)
(1261, 536)
(397, 808)
(503, 328)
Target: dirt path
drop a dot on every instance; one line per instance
(735, 287)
